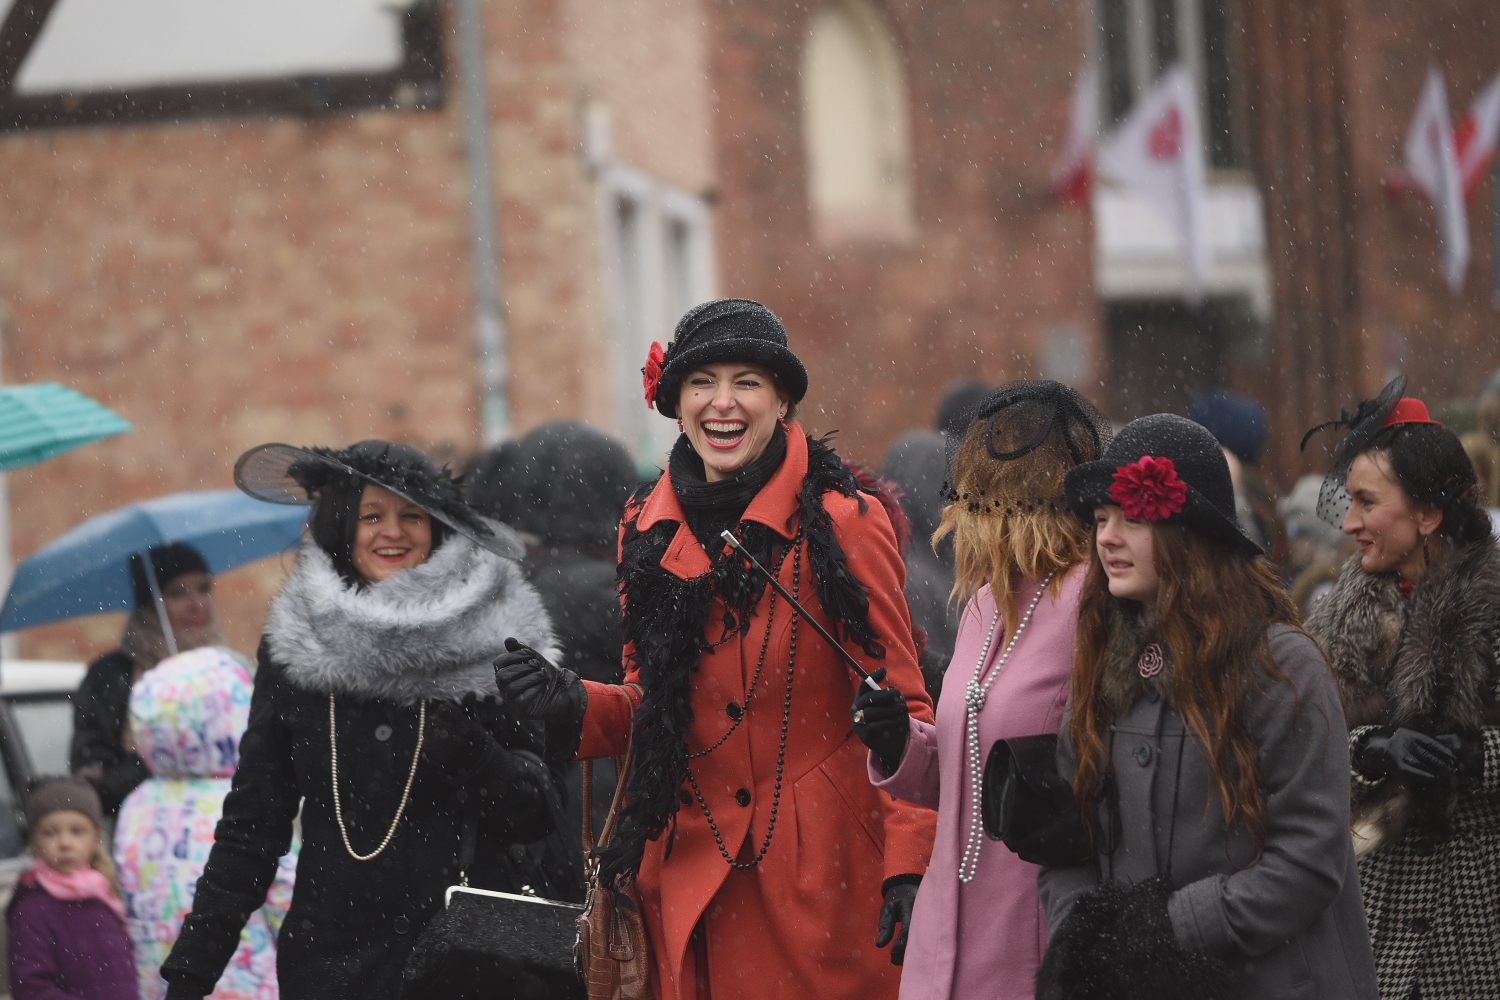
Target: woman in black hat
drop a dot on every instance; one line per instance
(103, 749)
(373, 713)
(763, 856)
(1412, 630)
(1204, 742)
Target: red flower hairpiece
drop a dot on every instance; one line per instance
(651, 374)
(1148, 489)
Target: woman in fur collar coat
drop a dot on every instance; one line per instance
(373, 711)
(763, 858)
(1204, 740)
(1411, 630)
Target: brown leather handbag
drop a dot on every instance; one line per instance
(612, 956)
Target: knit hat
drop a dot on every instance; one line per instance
(1163, 468)
(168, 562)
(283, 473)
(721, 330)
(1238, 422)
(49, 795)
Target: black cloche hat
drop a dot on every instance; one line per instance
(721, 330)
(1163, 468)
(283, 473)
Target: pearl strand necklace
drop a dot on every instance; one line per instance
(974, 695)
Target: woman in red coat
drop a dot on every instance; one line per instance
(764, 858)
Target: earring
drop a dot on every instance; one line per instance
(1426, 556)
(679, 426)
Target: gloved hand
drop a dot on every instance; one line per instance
(455, 742)
(899, 899)
(1405, 753)
(881, 722)
(537, 689)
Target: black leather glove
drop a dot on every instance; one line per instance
(881, 722)
(1407, 754)
(899, 899)
(455, 742)
(1468, 750)
(537, 689)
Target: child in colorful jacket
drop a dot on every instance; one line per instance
(187, 717)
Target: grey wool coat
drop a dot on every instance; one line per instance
(1289, 924)
(1429, 860)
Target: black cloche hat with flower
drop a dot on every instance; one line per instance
(721, 330)
(1163, 468)
(283, 473)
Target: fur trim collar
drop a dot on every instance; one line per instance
(427, 632)
(1121, 682)
(1427, 663)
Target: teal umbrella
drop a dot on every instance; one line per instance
(45, 419)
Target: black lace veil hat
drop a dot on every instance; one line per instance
(1017, 420)
(286, 474)
(1362, 425)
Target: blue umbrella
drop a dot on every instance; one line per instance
(87, 570)
(46, 419)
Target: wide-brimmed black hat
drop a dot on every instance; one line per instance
(283, 473)
(1163, 468)
(724, 330)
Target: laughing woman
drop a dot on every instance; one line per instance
(763, 856)
(367, 714)
(1413, 630)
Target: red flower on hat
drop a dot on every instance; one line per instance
(1148, 489)
(651, 374)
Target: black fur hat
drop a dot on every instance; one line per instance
(283, 473)
(724, 330)
(1163, 468)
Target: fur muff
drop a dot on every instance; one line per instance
(1117, 943)
(431, 631)
(667, 621)
(1426, 663)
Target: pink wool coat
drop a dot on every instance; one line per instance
(984, 939)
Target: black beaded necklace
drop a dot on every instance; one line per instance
(786, 717)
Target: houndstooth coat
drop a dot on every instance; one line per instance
(1429, 859)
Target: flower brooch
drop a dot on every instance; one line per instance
(1148, 489)
(651, 374)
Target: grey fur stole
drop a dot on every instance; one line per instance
(432, 631)
(1428, 663)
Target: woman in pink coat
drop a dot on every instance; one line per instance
(977, 929)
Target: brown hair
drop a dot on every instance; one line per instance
(1011, 533)
(1215, 603)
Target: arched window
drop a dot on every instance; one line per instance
(854, 124)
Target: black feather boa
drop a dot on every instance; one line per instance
(666, 619)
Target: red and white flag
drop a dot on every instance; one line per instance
(1475, 134)
(1432, 168)
(1070, 181)
(1157, 153)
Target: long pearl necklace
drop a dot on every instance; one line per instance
(974, 695)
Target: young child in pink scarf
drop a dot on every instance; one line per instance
(67, 925)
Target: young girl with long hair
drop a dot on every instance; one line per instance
(66, 921)
(977, 928)
(1204, 742)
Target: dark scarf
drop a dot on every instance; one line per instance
(666, 619)
(714, 507)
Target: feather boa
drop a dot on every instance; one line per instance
(667, 621)
(432, 631)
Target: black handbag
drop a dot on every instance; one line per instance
(488, 945)
(1028, 805)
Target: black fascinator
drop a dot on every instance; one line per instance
(1362, 425)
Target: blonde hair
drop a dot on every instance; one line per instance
(1008, 520)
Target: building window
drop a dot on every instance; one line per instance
(854, 125)
(658, 264)
(1139, 39)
